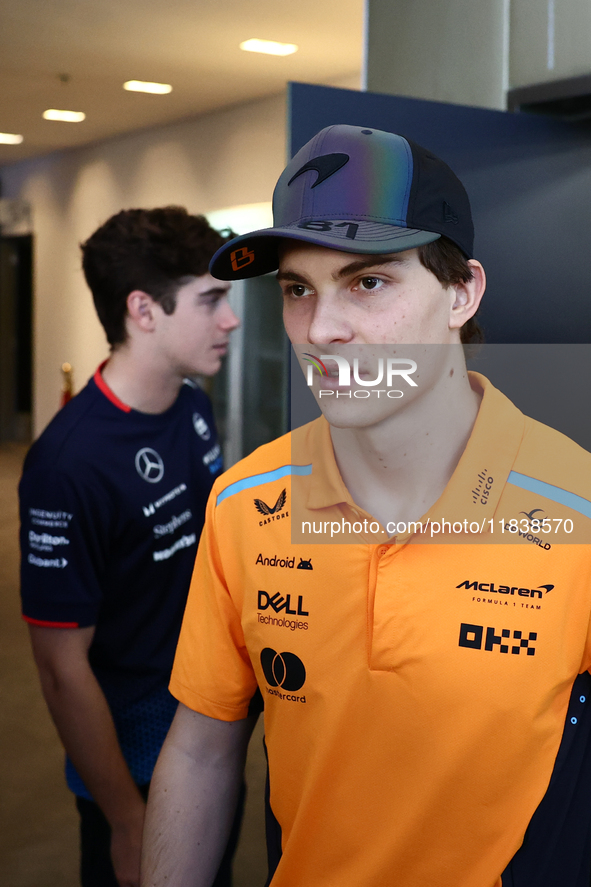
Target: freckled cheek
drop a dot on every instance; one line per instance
(294, 327)
(297, 315)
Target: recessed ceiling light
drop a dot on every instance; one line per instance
(66, 116)
(10, 138)
(147, 86)
(270, 47)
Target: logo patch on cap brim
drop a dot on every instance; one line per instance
(242, 257)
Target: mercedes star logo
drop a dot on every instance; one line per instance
(149, 465)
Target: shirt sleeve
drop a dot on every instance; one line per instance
(64, 527)
(212, 672)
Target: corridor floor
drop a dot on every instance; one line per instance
(38, 821)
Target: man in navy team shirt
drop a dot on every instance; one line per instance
(113, 498)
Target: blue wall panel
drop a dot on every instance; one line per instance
(529, 181)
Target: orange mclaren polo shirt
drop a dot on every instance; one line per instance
(416, 695)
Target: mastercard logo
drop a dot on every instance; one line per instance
(285, 670)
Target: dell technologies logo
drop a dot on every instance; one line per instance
(278, 603)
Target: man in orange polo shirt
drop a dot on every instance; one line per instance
(425, 683)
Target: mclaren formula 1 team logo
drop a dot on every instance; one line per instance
(149, 465)
(490, 588)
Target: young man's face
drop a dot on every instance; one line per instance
(195, 336)
(332, 297)
(333, 301)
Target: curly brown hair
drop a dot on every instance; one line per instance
(449, 265)
(152, 250)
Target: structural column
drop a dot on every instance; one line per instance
(442, 50)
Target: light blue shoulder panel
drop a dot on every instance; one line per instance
(248, 482)
(556, 494)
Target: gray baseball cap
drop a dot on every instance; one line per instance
(358, 190)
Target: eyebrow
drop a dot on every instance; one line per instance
(287, 274)
(369, 262)
(216, 291)
(352, 268)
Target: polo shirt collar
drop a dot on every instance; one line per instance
(326, 486)
(474, 488)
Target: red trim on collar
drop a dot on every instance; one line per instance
(45, 624)
(102, 385)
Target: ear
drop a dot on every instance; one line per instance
(141, 310)
(467, 296)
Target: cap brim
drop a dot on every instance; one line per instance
(251, 255)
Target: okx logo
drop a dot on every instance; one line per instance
(472, 636)
(284, 670)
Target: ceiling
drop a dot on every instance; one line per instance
(96, 45)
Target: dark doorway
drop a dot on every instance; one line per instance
(16, 302)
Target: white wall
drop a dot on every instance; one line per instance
(442, 50)
(550, 40)
(229, 157)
